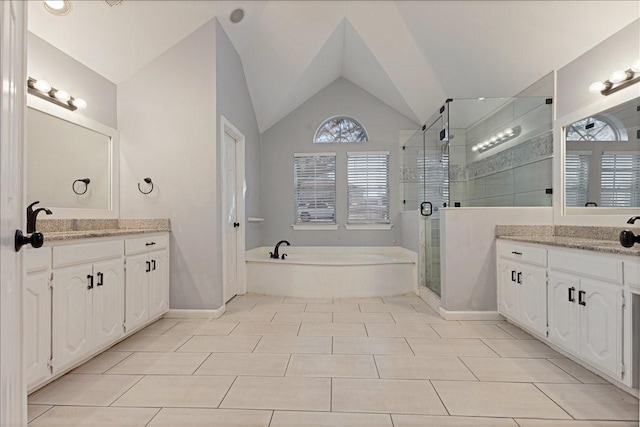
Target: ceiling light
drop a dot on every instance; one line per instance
(618, 80)
(58, 7)
(42, 89)
(42, 85)
(237, 15)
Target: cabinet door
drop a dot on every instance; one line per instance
(37, 328)
(507, 290)
(601, 325)
(72, 315)
(108, 302)
(137, 291)
(533, 297)
(158, 283)
(563, 315)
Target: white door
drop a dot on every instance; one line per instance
(37, 327)
(230, 220)
(563, 311)
(507, 290)
(108, 302)
(533, 298)
(158, 283)
(13, 28)
(137, 290)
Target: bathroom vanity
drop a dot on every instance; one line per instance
(574, 292)
(86, 290)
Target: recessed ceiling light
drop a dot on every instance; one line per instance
(237, 15)
(58, 7)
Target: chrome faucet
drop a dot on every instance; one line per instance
(32, 215)
(275, 254)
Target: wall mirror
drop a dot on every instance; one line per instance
(72, 165)
(602, 161)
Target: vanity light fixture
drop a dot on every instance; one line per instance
(618, 80)
(42, 89)
(497, 139)
(58, 7)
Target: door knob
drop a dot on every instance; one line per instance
(36, 240)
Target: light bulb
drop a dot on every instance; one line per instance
(58, 7)
(42, 86)
(55, 4)
(618, 76)
(500, 135)
(79, 103)
(474, 148)
(62, 95)
(636, 66)
(508, 131)
(494, 139)
(596, 87)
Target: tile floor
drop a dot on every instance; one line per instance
(272, 361)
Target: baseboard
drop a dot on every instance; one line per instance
(469, 315)
(429, 297)
(194, 314)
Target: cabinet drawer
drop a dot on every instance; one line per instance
(37, 259)
(522, 253)
(146, 244)
(86, 252)
(632, 274)
(595, 266)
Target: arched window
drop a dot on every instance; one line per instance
(340, 129)
(597, 128)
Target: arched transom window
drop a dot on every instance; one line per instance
(340, 129)
(597, 128)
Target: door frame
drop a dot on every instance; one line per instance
(227, 127)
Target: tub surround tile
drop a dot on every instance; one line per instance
(96, 417)
(173, 417)
(332, 366)
(284, 344)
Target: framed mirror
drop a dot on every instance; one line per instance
(71, 162)
(602, 161)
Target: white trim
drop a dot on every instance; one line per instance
(429, 297)
(368, 226)
(470, 315)
(175, 313)
(319, 227)
(331, 154)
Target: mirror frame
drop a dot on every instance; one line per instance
(114, 160)
(585, 216)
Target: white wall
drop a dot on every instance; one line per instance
(468, 260)
(167, 119)
(408, 228)
(294, 134)
(44, 61)
(234, 103)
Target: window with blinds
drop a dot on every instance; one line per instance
(620, 179)
(314, 186)
(576, 179)
(368, 188)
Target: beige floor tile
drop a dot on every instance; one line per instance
(102, 362)
(363, 318)
(440, 421)
(34, 411)
(217, 344)
(497, 400)
(424, 308)
(432, 319)
(450, 347)
(244, 364)
(470, 331)
(334, 308)
(151, 343)
(234, 307)
(287, 329)
(514, 331)
(84, 390)
(246, 316)
(332, 365)
(385, 396)
(423, 368)
(403, 299)
(257, 299)
(280, 308)
(297, 300)
(280, 344)
(186, 327)
(521, 348)
(366, 300)
(287, 393)
(517, 370)
(333, 330)
(386, 308)
(559, 423)
(96, 417)
(159, 364)
(593, 401)
(400, 331)
(215, 328)
(328, 419)
(176, 391)
(366, 345)
(158, 327)
(577, 371)
(181, 417)
(302, 317)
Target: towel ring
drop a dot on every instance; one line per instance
(86, 182)
(148, 181)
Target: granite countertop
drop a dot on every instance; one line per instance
(73, 229)
(598, 239)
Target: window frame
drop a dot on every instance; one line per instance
(344, 117)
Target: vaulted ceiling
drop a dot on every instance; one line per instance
(409, 54)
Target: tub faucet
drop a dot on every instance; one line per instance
(275, 254)
(32, 215)
(633, 219)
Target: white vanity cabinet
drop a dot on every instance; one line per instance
(522, 290)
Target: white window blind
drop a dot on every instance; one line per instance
(576, 178)
(620, 182)
(314, 186)
(368, 187)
